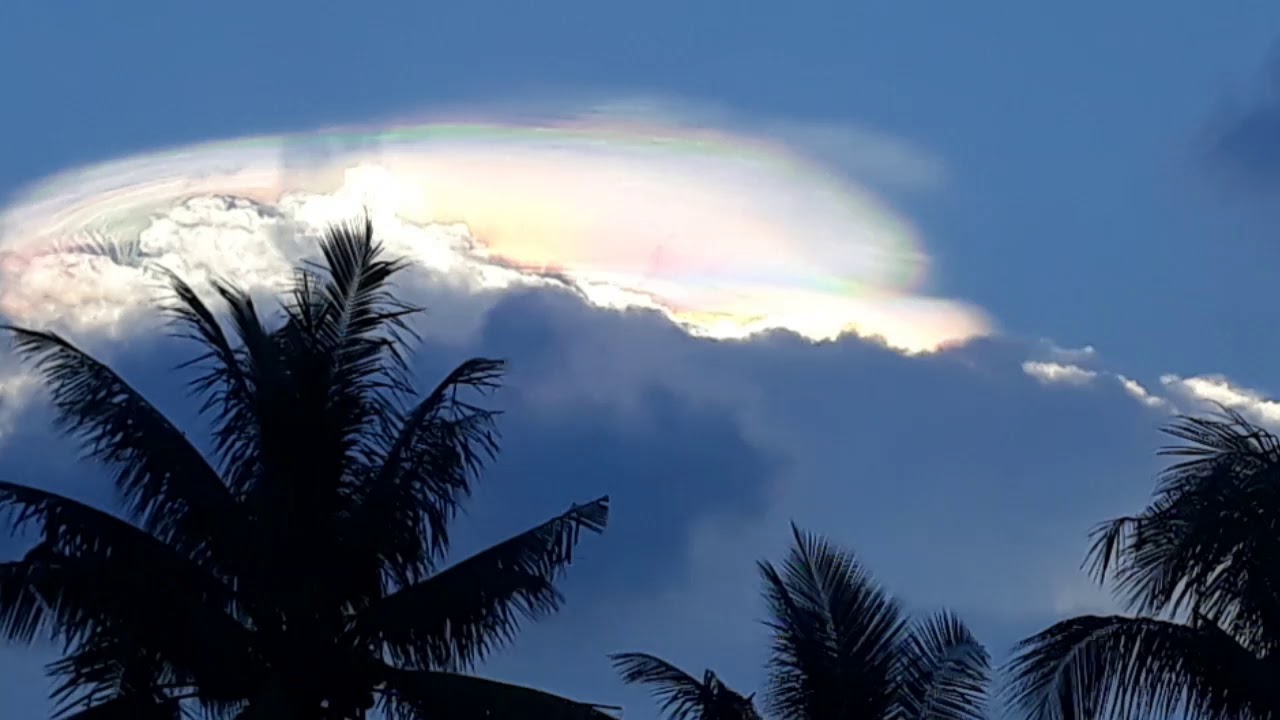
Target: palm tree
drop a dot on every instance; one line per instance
(842, 649)
(1198, 573)
(297, 568)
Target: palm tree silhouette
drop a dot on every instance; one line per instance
(1198, 570)
(842, 649)
(298, 569)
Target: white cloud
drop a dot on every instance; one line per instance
(1051, 373)
(1206, 391)
(1140, 393)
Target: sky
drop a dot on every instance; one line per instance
(1059, 222)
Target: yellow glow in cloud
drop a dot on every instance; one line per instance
(726, 234)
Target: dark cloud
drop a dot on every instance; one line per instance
(1244, 141)
(959, 479)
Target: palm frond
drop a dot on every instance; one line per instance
(168, 642)
(165, 481)
(112, 593)
(223, 381)
(361, 323)
(682, 696)
(1133, 667)
(106, 672)
(943, 672)
(81, 547)
(835, 632)
(459, 615)
(345, 321)
(245, 382)
(1207, 539)
(126, 252)
(127, 708)
(279, 456)
(424, 694)
(1226, 433)
(402, 513)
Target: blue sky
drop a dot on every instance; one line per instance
(1111, 175)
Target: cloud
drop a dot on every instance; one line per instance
(727, 227)
(1244, 138)
(966, 477)
(1050, 372)
(929, 466)
(16, 388)
(960, 478)
(1078, 356)
(880, 160)
(1219, 391)
(1140, 393)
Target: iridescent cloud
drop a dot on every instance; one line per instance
(726, 233)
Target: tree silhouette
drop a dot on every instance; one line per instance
(1197, 570)
(842, 649)
(298, 569)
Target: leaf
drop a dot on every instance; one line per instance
(943, 672)
(1132, 667)
(683, 697)
(403, 512)
(128, 708)
(835, 633)
(166, 483)
(425, 694)
(223, 381)
(459, 615)
(78, 539)
(349, 321)
(1207, 540)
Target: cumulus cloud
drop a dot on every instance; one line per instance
(1051, 372)
(965, 477)
(1140, 393)
(960, 479)
(1219, 391)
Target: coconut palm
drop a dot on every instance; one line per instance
(1197, 573)
(842, 649)
(296, 568)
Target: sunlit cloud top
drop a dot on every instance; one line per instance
(725, 232)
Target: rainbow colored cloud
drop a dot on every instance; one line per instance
(726, 233)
